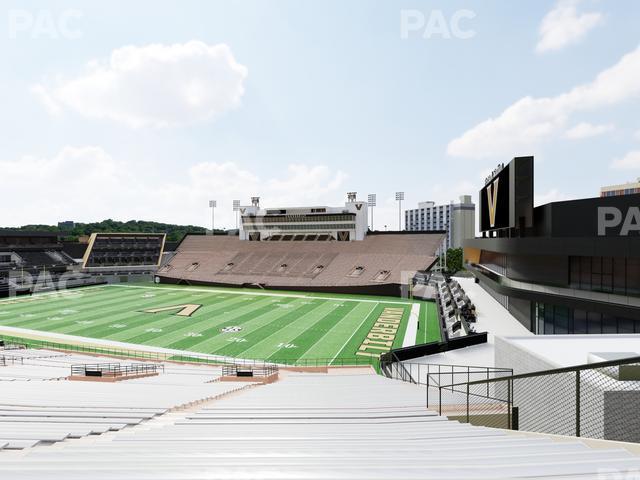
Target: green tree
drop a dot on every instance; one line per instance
(454, 260)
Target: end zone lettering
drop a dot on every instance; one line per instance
(381, 336)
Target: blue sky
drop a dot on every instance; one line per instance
(148, 109)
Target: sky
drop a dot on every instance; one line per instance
(149, 109)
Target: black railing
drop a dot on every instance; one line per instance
(10, 360)
(265, 370)
(115, 369)
(598, 400)
(417, 351)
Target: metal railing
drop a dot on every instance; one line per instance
(11, 346)
(440, 376)
(187, 357)
(264, 370)
(597, 400)
(115, 369)
(10, 360)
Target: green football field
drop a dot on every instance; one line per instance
(253, 324)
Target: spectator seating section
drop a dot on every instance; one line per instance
(347, 425)
(225, 260)
(457, 312)
(39, 406)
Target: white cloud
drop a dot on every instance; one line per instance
(564, 26)
(586, 130)
(153, 85)
(87, 184)
(630, 161)
(529, 121)
(637, 135)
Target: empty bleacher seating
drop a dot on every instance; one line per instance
(326, 265)
(351, 425)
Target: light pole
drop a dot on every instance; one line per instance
(213, 204)
(236, 208)
(399, 198)
(371, 200)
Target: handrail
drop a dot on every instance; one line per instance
(115, 369)
(188, 357)
(553, 371)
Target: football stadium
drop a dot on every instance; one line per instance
(191, 288)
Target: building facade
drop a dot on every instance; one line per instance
(568, 267)
(622, 189)
(457, 219)
(319, 223)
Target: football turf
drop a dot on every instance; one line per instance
(254, 324)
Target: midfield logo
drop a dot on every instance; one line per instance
(492, 201)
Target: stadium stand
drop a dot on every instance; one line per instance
(375, 265)
(35, 261)
(457, 312)
(39, 407)
(299, 427)
(119, 255)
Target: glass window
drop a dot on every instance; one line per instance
(585, 273)
(633, 276)
(574, 272)
(609, 324)
(548, 320)
(594, 323)
(561, 315)
(625, 325)
(579, 321)
(619, 274)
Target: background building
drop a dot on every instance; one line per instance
(623, 189)
(305, 223)
(458, 219)
(560, 268)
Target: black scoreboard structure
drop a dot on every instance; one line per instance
(506, 201)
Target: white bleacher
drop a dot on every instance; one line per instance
(352, 425)
(39, 406)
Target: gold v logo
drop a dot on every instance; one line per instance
(492, 201)
(185, 310)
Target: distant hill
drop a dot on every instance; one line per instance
(174, 232)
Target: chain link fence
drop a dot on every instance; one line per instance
(599, 400)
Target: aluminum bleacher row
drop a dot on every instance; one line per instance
(346, 425)
(377, 262)
(456, 310)
(39, 406)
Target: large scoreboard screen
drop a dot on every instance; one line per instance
(495, 203)
(506, 201)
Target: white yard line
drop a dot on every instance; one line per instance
(263, 294)
(354, 332)
(412, 327)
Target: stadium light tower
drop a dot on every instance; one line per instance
(371, 200)
(399, 198)
(212, 205)
(236, 208)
